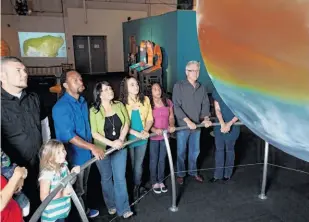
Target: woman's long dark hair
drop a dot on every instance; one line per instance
(124, 94)
(96, 94)
(163, 96)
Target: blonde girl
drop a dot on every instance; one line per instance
(53, 168)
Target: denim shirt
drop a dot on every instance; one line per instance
(71, 119)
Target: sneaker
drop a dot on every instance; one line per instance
(91, 213)
(156, 188)
(26, 210)
(127, 214)
(112, 211)
(163, 188)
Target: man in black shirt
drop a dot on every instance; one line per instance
(191, 107)
(22, 120)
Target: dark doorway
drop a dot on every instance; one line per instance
(90, 54)
(185, 4)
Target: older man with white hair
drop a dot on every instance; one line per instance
(191, 106)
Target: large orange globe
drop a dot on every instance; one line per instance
(257, 55)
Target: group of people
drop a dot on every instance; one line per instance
(82, 133)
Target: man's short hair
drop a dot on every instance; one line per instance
(6, 59)
(63, 79)
(193, 63)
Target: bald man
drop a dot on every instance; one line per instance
(24, 124)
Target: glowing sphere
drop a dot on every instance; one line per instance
(257, 55)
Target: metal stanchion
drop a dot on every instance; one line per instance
(262, 195)
(78, 205)
(173, 208)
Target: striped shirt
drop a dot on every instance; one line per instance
(57, 208)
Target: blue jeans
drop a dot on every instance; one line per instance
(157, 160)
(192, 137)
(224, 148)
(137, 155)
(113, 181)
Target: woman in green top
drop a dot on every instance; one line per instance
(109, 123)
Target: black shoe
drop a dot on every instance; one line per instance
(142, 190)
(180, 180)
(226, 179)
(213, 180)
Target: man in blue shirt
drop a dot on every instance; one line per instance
(225, 138)
(72, 127)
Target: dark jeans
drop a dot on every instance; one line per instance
(137, 155)
(80, 187)
(113, 181)
(31, 189)
(224, 150)
(157, 160)
(60, 220)
(192, 138)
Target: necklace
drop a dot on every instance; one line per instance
(113, 124)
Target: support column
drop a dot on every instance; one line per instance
(173, 208)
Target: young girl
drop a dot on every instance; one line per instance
(140, 114)
(162, 110)
(53, 168)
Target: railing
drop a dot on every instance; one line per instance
(173, 208)
(56, 70)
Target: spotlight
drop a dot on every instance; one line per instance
(21, 7)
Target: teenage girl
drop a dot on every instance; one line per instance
(162, 111)
(140, 114)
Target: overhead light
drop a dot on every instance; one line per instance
(21, 7)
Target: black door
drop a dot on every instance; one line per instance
(90, 54)
(81, 54)
(98, 54)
